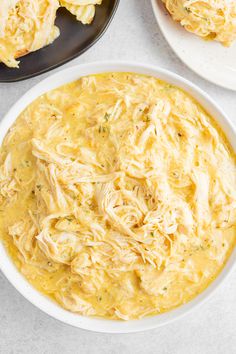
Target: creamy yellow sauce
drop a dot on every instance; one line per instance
(117, 196)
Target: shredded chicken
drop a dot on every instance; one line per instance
(210, 19)
(84, 10)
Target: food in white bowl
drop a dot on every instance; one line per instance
(115, 197)
(211, 19)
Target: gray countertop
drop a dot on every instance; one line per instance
(133, 35)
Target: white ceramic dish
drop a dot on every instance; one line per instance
(210, 60)
(7, 266)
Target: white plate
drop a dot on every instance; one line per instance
(210, 60)
(6, 264)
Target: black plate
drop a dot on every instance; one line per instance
(74, 40)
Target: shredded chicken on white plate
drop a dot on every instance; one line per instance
(209, 19)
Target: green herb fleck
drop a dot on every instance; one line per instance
(107, 116)
(27, 163)
(188, 9)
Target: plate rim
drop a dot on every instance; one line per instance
(178, 54)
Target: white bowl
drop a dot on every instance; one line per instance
(209, 59)
(6, 264)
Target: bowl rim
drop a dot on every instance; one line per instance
(17, 279)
